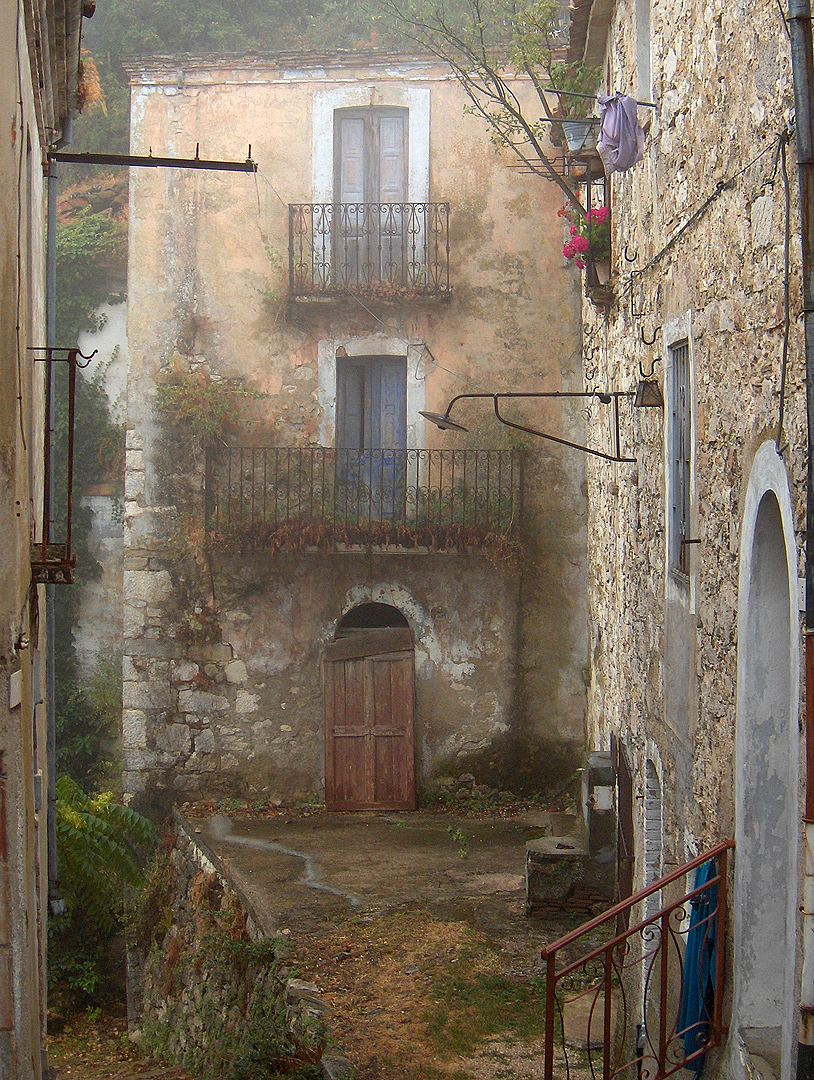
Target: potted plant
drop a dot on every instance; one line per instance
(589, 239)
(588, 244)
(575, 86)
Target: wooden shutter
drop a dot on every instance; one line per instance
(386, 404)
(392, 159)
(351, 159)
(350, 404)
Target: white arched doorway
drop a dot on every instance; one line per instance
(766, 771)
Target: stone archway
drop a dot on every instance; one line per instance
(766, 771)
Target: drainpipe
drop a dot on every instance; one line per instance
(802, 58)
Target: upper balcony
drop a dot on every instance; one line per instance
(301, 498)
(385, 251)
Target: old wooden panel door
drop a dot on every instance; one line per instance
(369, 722)
(370, 174)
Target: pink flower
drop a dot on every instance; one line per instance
(598, 216)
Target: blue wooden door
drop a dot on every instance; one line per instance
(371, 430)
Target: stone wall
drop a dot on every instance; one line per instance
(222, 668)
(663, 645)
(207, 988)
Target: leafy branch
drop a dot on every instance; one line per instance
(487, 44)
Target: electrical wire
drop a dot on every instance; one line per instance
(21, 159)
(258, 172)
(786, 291)
(720, 187)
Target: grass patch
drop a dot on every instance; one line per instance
(470, 1006)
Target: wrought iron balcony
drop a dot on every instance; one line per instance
(298, 498)
(390, 251)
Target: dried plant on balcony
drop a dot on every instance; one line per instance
(303, 534)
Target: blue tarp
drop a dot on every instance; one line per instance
(699, 967)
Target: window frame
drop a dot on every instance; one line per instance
(679, 471)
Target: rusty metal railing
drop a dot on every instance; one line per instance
(385, 250)
(649, 1000)
(53, 561)
(444, 496)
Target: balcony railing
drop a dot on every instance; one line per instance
(294, 498)
(387, 250)
(648, 1001)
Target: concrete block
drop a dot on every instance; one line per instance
(134, 729)
(173, 738)
(560, 875)
(184, 671)
(246, 702)
(217, 653)
(146, 695)
(204, 742)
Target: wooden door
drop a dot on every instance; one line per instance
(370, 186)
(371, 434)
(369, 722)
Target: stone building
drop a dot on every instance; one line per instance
(39, 44)
(696, 548)
(323, 594)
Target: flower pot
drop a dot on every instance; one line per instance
(597, 286)
(580, 135)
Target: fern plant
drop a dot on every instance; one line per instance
(101, 846)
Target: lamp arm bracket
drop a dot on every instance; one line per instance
(554, 438)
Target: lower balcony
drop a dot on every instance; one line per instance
(296, 499)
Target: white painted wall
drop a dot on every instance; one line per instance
(766, 771)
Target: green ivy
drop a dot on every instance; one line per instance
(101, 846)
(201, 406)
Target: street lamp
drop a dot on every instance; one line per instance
(643, 397)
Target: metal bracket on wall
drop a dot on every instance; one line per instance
(54, 562)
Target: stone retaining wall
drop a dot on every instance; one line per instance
(208, 989)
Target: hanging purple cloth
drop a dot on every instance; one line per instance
(621, 138)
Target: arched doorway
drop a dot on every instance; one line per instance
(766, 768)
(369, 680)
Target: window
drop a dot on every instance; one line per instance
(371, 402)
(370, 193)
(680, 457)
(371, 432)
(370, 155)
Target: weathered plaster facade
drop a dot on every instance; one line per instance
(222, 682)
(39, 59)
(98, 635)
(692, 685)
